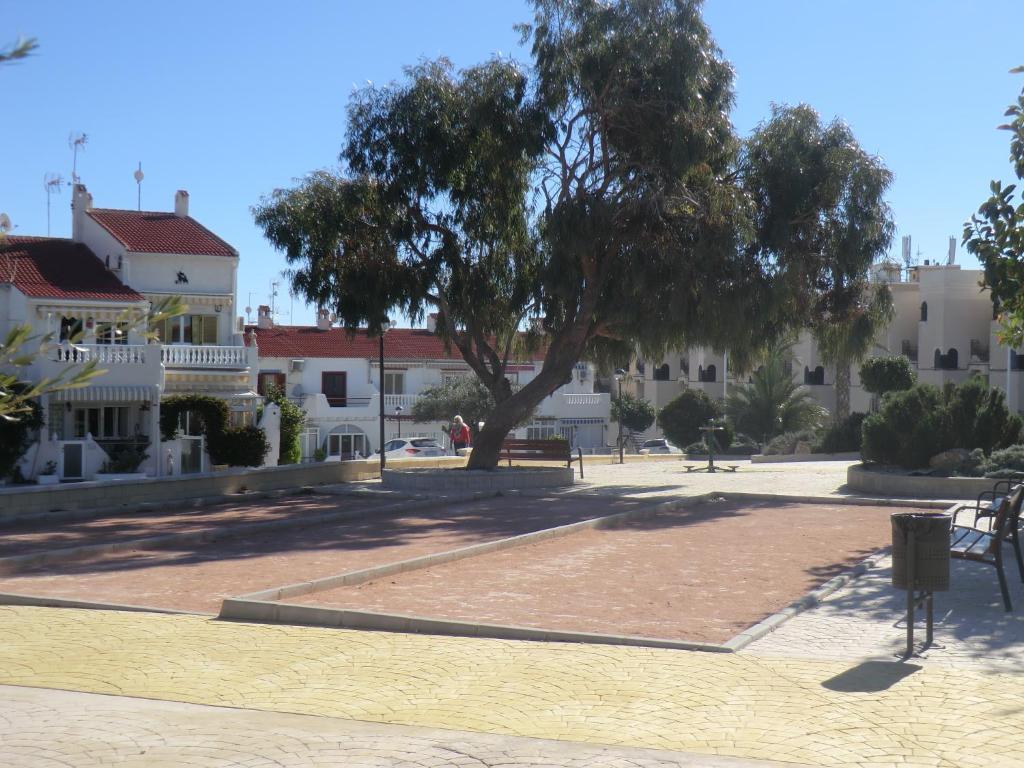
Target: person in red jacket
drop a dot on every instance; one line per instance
(459, 434)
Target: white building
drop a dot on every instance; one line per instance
(944, 324)
(101, 283)
(336, 377)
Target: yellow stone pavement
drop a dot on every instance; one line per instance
(818, 712)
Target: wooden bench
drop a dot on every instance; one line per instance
(991, 526)
(540, 450)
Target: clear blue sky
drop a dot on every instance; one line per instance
(230, 99)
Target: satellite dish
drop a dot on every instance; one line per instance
(139, 175)
(5, 223)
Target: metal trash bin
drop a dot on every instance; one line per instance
(923, 536)
(920, 563)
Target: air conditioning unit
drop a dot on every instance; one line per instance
(296, 365)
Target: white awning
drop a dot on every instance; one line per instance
(118, 394)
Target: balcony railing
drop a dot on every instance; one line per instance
(393, 401)
(103, 354)
(203, 356)
(583, 399)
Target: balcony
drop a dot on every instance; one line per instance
(104, 354)
(121, 364)
(393, 401)
(204, 356)
(576, 405)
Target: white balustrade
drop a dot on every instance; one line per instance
(583, 399)
(103, 354)
(393, 401)
(204, 356)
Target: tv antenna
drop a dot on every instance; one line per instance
(76, 141)
(52, 182)
(5, 224)
(273, 298)
(139, 176)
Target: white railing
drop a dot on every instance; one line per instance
(103, 354)
(202, 356)
(583, 399)
(392, 401)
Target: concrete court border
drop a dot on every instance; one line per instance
(265, 606)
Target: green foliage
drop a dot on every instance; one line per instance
(879, 375)
(995, 235)
(786, 443)
(682, 417)
(842, 437)
(320, 454)
(634, 414)
(1007, 462)
(293, 420)
(607, 178)
(20, 49)
(242, 447)
(126, 459)
(16, 434)
(772, 403)
(916, 424)
(234, 446)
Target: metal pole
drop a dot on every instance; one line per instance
(622, 460)
(911, 579)
(381, 395)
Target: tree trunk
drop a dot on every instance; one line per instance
(842, 392)
(516, 408)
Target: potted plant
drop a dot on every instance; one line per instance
(48, 474)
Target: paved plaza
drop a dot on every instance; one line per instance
(91, 687)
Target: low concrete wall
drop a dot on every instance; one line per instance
(466, 481)
(783, 457)
(859, 478)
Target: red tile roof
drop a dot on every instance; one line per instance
(54, 268)
(154, 232)
(310, 341)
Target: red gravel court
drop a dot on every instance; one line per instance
(701, 574)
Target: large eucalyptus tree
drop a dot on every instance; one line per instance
(588, 203)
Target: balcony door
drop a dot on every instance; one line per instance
(334, 385)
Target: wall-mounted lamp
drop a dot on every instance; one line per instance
(218, 307)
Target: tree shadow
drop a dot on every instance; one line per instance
(870, 677)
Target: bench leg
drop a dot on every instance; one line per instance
(1003, 587)
(1015, 541)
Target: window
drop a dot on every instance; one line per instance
(112, 333)
(268, 381)
(661, 373)
(394, 383)
(346, 445)
(188, 329)
(70, 328)
(924, 311)
(334, 384)
(103, 421)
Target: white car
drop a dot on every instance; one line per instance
(661, 445)
(413, 448)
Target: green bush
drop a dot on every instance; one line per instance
(681, 419)
(16, 435)
(636, 415)
(293, 419)
(242, 447)
(915, 424)
(886, 374)
(844, 437)
(1006, 461)
(785, 444)
(126, 459)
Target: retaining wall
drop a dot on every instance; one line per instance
(784, 457)
(420, 480)
(858, 478)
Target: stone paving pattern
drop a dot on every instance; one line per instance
(822, 690)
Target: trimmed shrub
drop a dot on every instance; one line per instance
(293, 419)
(1007, 461)
(234, 446)
(681, 419)
(844, 437)
(978, 417)
(886, 374)
(243, 447)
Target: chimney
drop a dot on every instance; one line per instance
(432, 322)
(181, 203)
(263, 318)
(323, 319)
(81, 202)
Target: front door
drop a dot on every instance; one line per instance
(191, 455)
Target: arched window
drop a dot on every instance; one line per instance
(924, 311)
(700, 373)
(807, 375)
(952, 360)
(661, 372)
(710, 373)
(819, 376)
(939, 361)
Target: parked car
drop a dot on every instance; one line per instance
(660, 445)
(413, 448)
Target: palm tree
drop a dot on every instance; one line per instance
(845, 343)
(772, 403)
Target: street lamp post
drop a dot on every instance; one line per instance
(620, 374)
(398, 416)
(383, 461)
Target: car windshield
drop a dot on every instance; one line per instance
(425, 443)
(654, 444)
